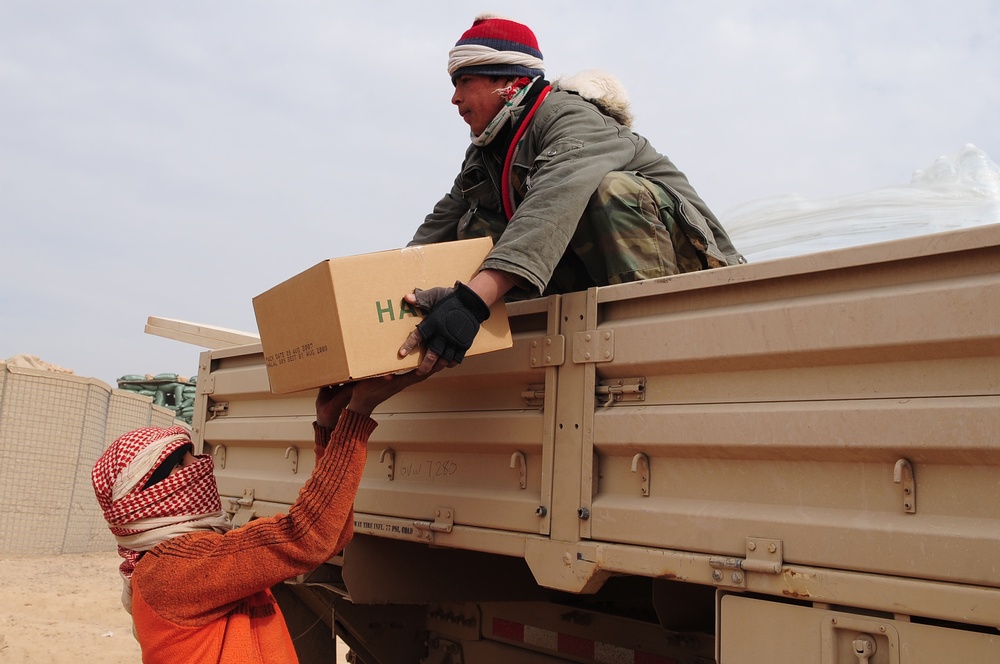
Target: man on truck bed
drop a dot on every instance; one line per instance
(198, 591)
(571, 196)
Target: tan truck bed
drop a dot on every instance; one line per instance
(809, 433)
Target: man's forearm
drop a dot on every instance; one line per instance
(491, 285)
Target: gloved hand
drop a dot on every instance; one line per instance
(453, 320)
(427, 298)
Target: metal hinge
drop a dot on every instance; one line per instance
(593, 346)
(444, 521)
(548, 351)
(206, 386)
(243, 508)
(534, 395)
(621, 389)
(218, 409)
(764, 556)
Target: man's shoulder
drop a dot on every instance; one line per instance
(600, 89)
(193, 544)
(565, 106)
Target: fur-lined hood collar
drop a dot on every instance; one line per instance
(601, 89)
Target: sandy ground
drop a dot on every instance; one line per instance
(66, 609)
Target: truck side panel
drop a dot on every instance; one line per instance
(787, 407)
(776, 444)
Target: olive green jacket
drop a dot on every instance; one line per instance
(569, 147)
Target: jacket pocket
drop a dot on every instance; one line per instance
(555, 151)
(481, 222)
(478, 188)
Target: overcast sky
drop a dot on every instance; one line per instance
(178, 158)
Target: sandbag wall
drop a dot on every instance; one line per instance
(168, 390)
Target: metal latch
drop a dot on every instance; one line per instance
(764, 556)
(218, 409)
(444, 521)
(861, 639)
(593, 346)
(864, 647)
(534, 395)
(549, 351)
(621, 389)
(243, 508)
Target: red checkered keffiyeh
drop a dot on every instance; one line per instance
(184, 502)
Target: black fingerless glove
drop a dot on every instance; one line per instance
(452, 324)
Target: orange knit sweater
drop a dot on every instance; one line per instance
(204, 597)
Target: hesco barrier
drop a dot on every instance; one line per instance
(53, 427)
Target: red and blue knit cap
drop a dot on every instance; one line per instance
(496, 46)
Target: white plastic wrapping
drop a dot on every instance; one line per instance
(954, 192)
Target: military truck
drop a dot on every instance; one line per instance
(796, 460)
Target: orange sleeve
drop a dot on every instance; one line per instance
(197, 577)
(321, 438)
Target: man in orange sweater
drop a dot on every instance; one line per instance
(199, 591)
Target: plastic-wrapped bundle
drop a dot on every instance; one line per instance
(954, 192)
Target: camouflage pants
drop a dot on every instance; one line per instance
(628, 232)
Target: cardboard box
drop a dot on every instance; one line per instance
(345, 318)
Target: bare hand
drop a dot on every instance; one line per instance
(368, 394)
(431, 362)
(330, 401)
